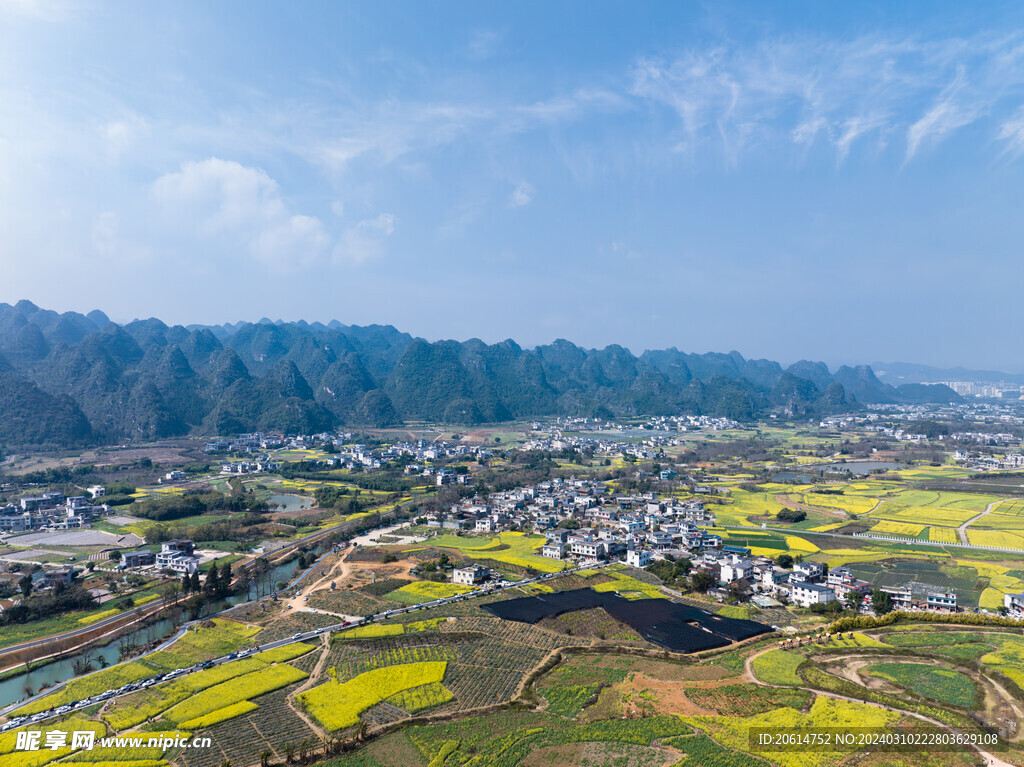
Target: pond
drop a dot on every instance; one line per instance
(290, 502)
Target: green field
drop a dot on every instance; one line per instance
(939, 684)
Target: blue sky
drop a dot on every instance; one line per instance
(800, 180)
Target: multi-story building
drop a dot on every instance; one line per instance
(806, 594)
(470, 576)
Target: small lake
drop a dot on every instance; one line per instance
(290, 502)
(855, 468)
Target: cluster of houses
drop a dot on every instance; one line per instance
(175, 556)
(582, 521)
(640, 519)
(988, 462)
(262, 465)
(565, 434)
(248, 443)
(358, 456)
(50, 511)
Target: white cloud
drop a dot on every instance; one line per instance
(947, 114)
(1011, 131)
(122, 135)
(521, 195)
(240, 209)
(364, 241)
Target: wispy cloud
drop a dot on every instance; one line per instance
(1011, 132)
(845, 92)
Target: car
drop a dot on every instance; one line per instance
(297, 636)
(206, 664)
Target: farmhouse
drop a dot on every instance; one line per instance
(470, 576)
(806, 594)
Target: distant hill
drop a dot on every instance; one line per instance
(71, 378)
(897, 373)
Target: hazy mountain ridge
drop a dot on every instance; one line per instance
(906, 372)
(72, 378)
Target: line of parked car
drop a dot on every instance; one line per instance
(140, 684)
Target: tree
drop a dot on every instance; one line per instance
(881, 602)
(114, 556)
(194, 586)
(186, 584)
(784, 560)
(791, 515)
(265, 756)
(702, 581)
(224, 581)
(25, 584)
(212, 585)
(171, 590)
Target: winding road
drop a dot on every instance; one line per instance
(962, 530)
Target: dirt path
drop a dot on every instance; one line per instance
(339, 571)
(962, 530)
(311, 680)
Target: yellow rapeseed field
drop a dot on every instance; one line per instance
(338, 705)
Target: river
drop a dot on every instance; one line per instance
(13, 688)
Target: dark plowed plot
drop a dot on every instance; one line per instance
(665, 623)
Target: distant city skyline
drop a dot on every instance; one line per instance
(835, 183)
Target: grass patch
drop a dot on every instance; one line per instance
(778, 667)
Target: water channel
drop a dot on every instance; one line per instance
(14, 688)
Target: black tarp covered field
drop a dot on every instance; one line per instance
(660, 621)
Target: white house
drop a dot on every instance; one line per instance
(806, 594)
(638, 557)
(1014, 602)
(470, 576)
(553, 550)
(736, 571)
(808, 572)
(177, 562)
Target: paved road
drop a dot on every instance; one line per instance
(299, 637)
(890, 539)
(962, 530)
(149, 606)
